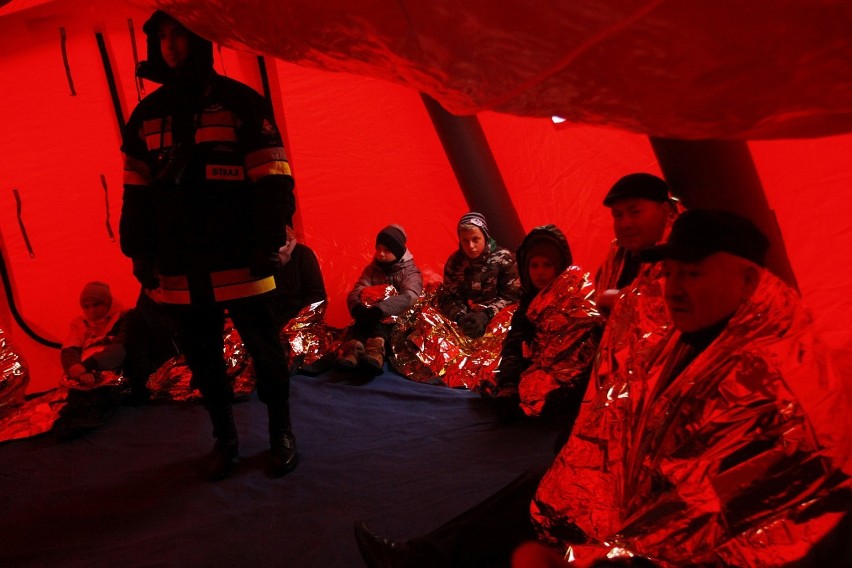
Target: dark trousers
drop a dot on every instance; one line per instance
(150, 342)
(487, 534)
(200, 329)
(365, 328)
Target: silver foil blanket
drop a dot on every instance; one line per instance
(173, 380)
(14, 376)
(736, 460)
(427, 347)
(568, 327)
(308, 336)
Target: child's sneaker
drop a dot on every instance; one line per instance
(374, 353)
(349, 354)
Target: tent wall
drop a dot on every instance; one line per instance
(364, 153)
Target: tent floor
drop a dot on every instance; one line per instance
(401, 455)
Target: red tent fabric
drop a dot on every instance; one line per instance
(345, 78)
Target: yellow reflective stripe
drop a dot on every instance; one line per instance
(269, 169)
(215, 134)
(264, 155)
(136, 172)
(233, 276)
(236, 291)
(227, 285)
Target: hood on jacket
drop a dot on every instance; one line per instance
(198, 65)
(544, 236)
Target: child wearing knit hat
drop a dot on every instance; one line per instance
(392, 265)
(90, 356)
(480, 278)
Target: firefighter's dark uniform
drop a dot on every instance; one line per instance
(207, 194)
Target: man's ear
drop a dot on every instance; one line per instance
(751, 276)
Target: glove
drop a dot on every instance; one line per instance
(263, 263)
(507, 404)
(371, 315)
(145, 272)
(473, 324)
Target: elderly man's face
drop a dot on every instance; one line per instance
(639, 223)
(701, 294)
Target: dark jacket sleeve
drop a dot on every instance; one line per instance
(407, 293)
(312, 281)
(135, 227)
(364, 281)
(512, 360)
(274, 202)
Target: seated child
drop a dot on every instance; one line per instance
(393, 264)
(298, 281)
(480, 279)
(91, 357)
(547, 354)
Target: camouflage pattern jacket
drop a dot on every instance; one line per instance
(487, 283)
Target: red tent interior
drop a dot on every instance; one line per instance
(345, 79)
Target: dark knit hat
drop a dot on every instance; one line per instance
(548, 241)
(475, 219)
(98, 291)
(637, 186)
(392, 238)
(698, 233)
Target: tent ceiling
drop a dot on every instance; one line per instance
(672, 68)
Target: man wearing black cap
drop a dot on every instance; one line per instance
(642, 211)
(728, 446)
(207, 194)
(628, 292)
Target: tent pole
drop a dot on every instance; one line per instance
(476, 170)
(720, 174)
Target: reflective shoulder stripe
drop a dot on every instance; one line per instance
(267, 161)
(215, 134)
(175, 296)
(157, 133)
(136, 172)
(218, 118)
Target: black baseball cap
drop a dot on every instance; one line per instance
(698, 233)
(639, 185)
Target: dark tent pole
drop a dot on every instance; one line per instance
(476, 170)
(721, 174)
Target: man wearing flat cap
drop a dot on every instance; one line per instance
(729, 443)
(727, 446)
(628, 292)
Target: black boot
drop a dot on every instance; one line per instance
(282, 443)
(225, 455)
